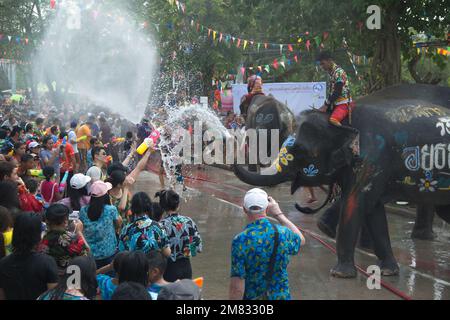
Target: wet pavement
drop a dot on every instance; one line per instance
(213, 200)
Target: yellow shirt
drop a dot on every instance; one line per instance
(7, 237)
(84, 131)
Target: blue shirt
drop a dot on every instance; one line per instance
(47, 154)
(101, 234)
(143, 234)
(250, 255)
(106, 286)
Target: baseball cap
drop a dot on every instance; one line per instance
(100, 188)
(33, 144)
(79, 181)
(185, 289)
(256, 200)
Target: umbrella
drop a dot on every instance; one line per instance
(16, 98)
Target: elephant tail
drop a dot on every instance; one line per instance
(307, 210)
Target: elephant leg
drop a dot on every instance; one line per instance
(423, 227)
(365, 239)
(443, 212)
(347, 236)
(378, 228)
(328, 222)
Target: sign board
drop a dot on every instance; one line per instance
(298, 96)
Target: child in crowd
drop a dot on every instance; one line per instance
(106, 283)
(158, 264)
(50, 188)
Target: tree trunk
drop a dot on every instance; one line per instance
(386, 66)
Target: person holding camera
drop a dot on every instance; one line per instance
(260, 254)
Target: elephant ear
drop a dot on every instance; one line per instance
(349, 148)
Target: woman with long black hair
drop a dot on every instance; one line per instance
(25, 274)
(101, 220)
(184, 238)
(66, 290)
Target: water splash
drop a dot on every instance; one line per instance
(95, 51)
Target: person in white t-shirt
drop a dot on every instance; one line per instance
(72, 136)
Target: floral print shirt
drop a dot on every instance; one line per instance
(101, 234)
(250, 256)
(63, 246)
(184, 238)
(338, 74)
(143, 234)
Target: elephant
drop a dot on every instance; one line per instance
(404, 154)
(266, 112)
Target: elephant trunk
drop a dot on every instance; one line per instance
(268, 177)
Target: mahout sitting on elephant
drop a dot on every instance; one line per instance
(404, 154)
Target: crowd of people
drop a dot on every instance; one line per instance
(67, 203)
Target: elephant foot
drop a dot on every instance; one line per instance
(389, 269)
(343, 270)
(423, 234)
(326, 229)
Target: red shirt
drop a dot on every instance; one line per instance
(69, 157)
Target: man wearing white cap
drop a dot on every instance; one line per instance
(260, 254)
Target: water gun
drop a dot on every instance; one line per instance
(199, 282)
(82, 138)
(154, 137)
(63, 183)
(36, 173)
(118, 140)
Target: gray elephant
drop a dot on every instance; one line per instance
(404, 154)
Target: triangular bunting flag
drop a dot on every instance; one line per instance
(220, 38)
(275, 64)
(325, 35)
(214, 35)
(239, 43)
(52, 4)
(265, 45)
(281, 48)
(296, 58)
(290, 48)
(9, 38)
(245, 44)
(308, 44)
(317, 39)
(259, 46)
(267, 68)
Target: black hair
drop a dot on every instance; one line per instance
(62, 134)
(6, 169)
(116, 166)
(27, 233)
(16, 130)
(6, 222)
(31, 184)
(157, 212)
(135, 267)
(95, 151)
(117, 262)
(169, 200)
(156, 259)
(75, 195)
(3, 134)
(93, 141)
(9, 195)
(56, 214)
(131, 291)
(17, 145)
(96, 206)
(129, 135)
(88, 283)
(48, 173)
(54, 129)
(28, 127)
(141, 204)
(324, 55)
(116, 177)
(26, 157)
(45, 140)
